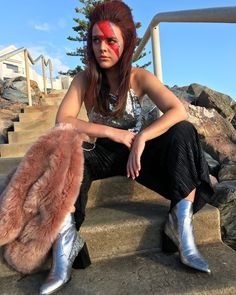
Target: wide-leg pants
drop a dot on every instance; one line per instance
(172, 165)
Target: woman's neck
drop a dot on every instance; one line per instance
(113, 80)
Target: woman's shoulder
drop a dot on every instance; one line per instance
(139, 73)
(80, 79)
(138, 77)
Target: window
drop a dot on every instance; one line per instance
(12, 67)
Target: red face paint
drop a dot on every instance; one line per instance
(108, 32)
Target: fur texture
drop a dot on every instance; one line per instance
(39, 195)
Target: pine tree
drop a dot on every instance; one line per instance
(81, 30)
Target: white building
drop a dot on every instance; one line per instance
(15, 66)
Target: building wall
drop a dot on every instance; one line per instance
(18, 61)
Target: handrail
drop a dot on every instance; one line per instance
(210, 15)
(27, 57)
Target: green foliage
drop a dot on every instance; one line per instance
(81, 28)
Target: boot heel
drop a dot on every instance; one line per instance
(168, 245)
(82, 260)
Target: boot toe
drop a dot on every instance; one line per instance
(51, 287)
(197, 263)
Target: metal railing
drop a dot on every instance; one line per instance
(27, 58)
(207, 15)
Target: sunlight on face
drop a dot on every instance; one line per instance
(108, 43)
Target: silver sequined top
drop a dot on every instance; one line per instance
(136, 115)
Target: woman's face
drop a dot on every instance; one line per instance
(108, 43)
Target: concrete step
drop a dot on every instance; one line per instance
(119, 201)
(53, 100)
(14, 149)
(134, 227)
(152, 273)
(129, 218)
(7, 164)
(39, 108)
(35, 124)
(21, 140)
(118, 229)
(29, 117)
(15, 137)
(55, 103)
(55, 93)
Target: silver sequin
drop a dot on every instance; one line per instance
(135, 116)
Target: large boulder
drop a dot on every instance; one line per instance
(182, 94)
(195, 89)
(234, 118)
(218, 135)
(209, 98)
(225, 200)
(220, 102)
(16, 90)
(227, 171)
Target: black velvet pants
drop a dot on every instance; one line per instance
(172, 165)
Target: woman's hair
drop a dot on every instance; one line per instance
(98, 89)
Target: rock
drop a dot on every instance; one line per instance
(6, 123)
(179, 88)
(234, 118)
(1, 86)
(196, 89)
(16, 90)
(15, 107)
(38, 94)
(214, 166)
(219, 101)
(227, 171)
(225, 200)
(218, 135)
(8, 113)
(183, 94)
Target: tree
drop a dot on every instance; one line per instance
(81, 30)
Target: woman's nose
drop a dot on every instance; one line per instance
(103, 45)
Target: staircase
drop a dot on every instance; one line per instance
(123, 233)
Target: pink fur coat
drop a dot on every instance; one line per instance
(40, 193)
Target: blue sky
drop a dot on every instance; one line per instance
(200, 53)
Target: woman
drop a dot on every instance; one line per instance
(165, 156)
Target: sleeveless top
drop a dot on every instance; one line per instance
(137, 115)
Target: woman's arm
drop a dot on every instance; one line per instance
(171, 107)
(173, 112)
(70, 108)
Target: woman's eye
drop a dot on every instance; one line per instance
(96, 40)
(111, 41)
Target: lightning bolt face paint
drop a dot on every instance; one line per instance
(107, 28)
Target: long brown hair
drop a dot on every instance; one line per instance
(98, 89)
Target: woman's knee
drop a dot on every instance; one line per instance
(183, 129)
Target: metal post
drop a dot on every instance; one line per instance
(50, 70)
(156, 55)
(27, 76)
(156, 52)
(44, 76)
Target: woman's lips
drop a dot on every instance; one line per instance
(103, 57)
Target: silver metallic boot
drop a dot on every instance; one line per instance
(179, 230)
(68, 248)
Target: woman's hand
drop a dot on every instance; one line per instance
(122, 136)
(134, 160)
